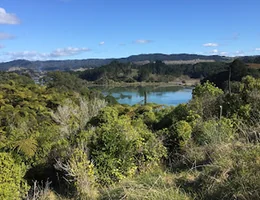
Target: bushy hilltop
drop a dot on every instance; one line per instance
(60, 140)
(90, 63)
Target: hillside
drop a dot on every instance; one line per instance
(51, 65)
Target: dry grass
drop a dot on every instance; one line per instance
(253, 65)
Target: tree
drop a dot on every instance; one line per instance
(238, 70)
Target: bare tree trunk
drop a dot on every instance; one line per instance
(229, 77)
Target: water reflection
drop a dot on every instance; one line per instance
(167, 95)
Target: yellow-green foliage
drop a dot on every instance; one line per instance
(205, 100)
(208, 89)
(233, 173)
(118, 148)
(183, 130)
(12, 185)
(215, 131)
(81, 172)
(177, 137)
(152, 186)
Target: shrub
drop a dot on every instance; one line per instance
(80, 172)
(150, 186)
(119, 148)
(12, 184)
(215, 131)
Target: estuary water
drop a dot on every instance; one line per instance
(166, 95)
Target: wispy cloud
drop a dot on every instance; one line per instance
(69, 51)
(141, 41)
(237, 53)
(101, 43)
(8, 18)
(2, 46)
(210, 44)
(214, 51)
(257, 49)
(30, 55)
(34, 55)
(6, 36)
(223, 53)
(234, 36)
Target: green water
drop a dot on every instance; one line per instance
(167, 95)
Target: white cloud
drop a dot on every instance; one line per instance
(238, 53)
(8, 18)
(101, 43)
(69, 51)
(215, 51)
(30, 55)
(142, 41)
(223, 53)
(210, 44)
(257, 49)
(34, 55)
(5, 36)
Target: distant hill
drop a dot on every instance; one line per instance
(52, 65)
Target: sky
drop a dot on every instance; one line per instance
(82, 29)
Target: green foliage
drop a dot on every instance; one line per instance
(6, 77)
(80, 172)
(64, 81)
(153, 186)
(94, 145)
(178, 136)
(233, 173)
(206, 100)
(238, 70)
(27, 146)
(156, 71)
(12, 184)
(119, 148)
(206, 89)
(215, 132)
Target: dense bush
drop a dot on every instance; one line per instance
(12, 184)
(120, 147)
(66, 142)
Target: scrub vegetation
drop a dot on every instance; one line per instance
(60, 140)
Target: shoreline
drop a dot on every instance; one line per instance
(184, 83)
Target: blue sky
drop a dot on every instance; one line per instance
(77, 29)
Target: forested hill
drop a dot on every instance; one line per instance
(90, 63)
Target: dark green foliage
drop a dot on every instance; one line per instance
(65, 82)
(238, 70)
(156, 71)
(6, 77)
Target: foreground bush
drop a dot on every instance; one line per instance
(231, 172)
(152, 186)
(120, 147)
(12, 185)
